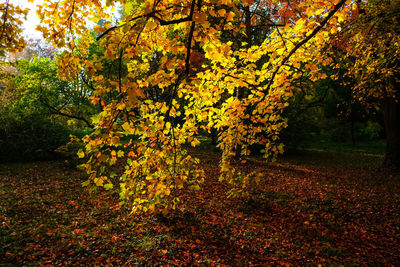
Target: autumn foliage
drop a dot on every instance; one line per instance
(369, 49)
(11, 17)
(161, 75)
(185, 67)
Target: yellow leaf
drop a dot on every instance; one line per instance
(200, 18)
(195, 142)
(167, 192)
(212, 13)
(115, 140)
(310, 12)
(151, 24)
(221, 12)
(81, 154)
(152, 208)
(99, 181)
(126, 126)
(319, 12)
(230, 16)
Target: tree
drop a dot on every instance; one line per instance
(370, 46)
(10, 28)
(239, 88)
(34, 47)
(7, 67)
(39, 111)
(37, 83)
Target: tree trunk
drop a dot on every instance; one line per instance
(353, 135)
(391, 116)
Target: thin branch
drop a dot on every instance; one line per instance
(272, 23)
(138, 37)
(174, 21)
(121, 53)
(309, 37)
(246, 82)
(178, 79)
(70, 15)
(106, 32)
(190, 37)
(189, 48)
(283, 39)
(58, 112)
(149, 15)
(315, 103)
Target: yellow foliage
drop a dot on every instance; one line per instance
(230, 82)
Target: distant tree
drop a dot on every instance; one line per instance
(37, 83)
(34, 47)
(39, 110)
(370, 48)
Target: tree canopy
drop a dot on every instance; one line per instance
(182, 67)
(369, 50)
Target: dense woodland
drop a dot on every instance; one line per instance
(202, 132)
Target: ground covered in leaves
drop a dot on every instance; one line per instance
(313, 208)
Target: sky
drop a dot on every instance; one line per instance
(32, 18)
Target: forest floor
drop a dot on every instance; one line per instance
(314, 208)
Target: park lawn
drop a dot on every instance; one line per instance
(313, 208)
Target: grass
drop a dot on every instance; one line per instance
(374, 147)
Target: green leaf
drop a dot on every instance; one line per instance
(95, 119)
(108, 186)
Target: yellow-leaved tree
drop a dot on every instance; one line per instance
(11, 39)
(181, 66)
(11, 16)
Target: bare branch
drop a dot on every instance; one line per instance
(59, 112)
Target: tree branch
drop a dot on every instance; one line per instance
(309, 37)
(190, 37)
(151, 15)
(58, 112)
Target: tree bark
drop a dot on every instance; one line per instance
(391, 116)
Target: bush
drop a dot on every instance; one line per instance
(340, 133)
(369, 131)
(30, 136)
(31, 123)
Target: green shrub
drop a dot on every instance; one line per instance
(30, 136)
(369, 131)
(340, 133)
